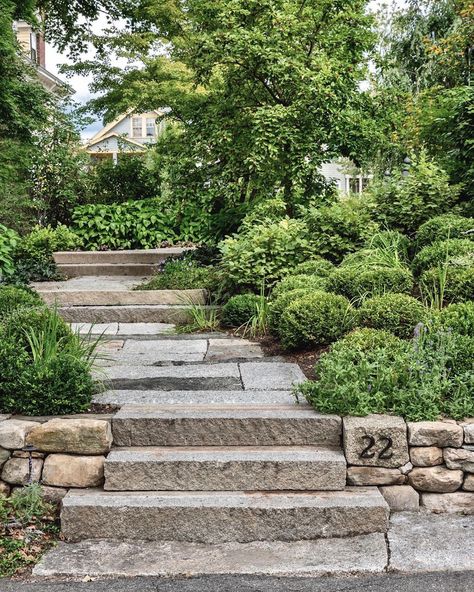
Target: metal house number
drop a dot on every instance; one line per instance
(386, 452)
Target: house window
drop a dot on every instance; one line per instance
(357, 184)
(136, 127)
(150, 127)
(33, 48)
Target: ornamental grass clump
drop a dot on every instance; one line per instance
(319, 318)
(397, 313)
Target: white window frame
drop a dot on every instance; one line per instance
(132, 131)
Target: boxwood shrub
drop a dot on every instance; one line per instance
(458, 282)
(319, 266)
(440, 253)
(13, 298)
(239, 309)
(443, 227)
(397, 313)
(356, 282)
(293, 282)
(278, 305)
(458, 317)
(318, 318)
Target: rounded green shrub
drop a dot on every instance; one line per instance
(319, 266)
(239, 309)
(13, 298)
(458, 317)
(458, 283)
(318, 318)
(16, 325)
(356, 282)
(397, 313)
(443, 227)
(278, 305)
(366, 339)
(293, 282)
(442, 253)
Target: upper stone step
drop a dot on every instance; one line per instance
(224, 425)
(120, 297)
(74, 270)
(137, 256)
(218, 517)
(131, 313)
(231, 468)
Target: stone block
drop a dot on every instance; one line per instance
(435, 479)
(376, 441)
(406, 468)
(53, 495)
(468, 483)
(468, 432)
(4, 489)
(13, 433)
(426, 456)
(63, 470)
(401, 498)
(459, 458)
(460, 502)
(221, 350)
(4, 456)
(435, 433)
(76, 436)
(16, 471)
(276, 376)
(374, 476)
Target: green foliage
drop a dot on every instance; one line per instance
(458, 317)
(278, 305)
(131, 225)
(390, 242)
(444, 227)
(12, 298)
(356, 282)
(265, 252)
(240, 309)
(340, 228)
(397, 313)
(449, 283)
(419, 380)
(405, 202)
(444, 252)
(45, 368)
(315, 319)
(182, 274)
(293, 282)
(129, 179)
(315, 266)
(9, 239)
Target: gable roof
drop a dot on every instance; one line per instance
(93, 142)
(117, 120)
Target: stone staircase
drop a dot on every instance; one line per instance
(212, 469)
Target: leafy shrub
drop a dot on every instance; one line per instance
(420, 380)
(442, 253)
(9, 240)
(318, 266)
(279, 304)
(340, 228)
(239, 309)
(45, 368)
(131, 225)
(458, 317)
(397, 313)
(405, 202)
(356, 282)
(391, 241)
(365, 339)
(265, 252)
(293, 282)
(443, 227)
(318, 318)
(453, 283)
(182, 274)
(13, 298)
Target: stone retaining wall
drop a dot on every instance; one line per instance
(427, 464)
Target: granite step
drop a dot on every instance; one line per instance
(225, 468)
(131, 313)
(133, 256)
(220, 517)
(121, 297)
(73, 270)
(224, 425)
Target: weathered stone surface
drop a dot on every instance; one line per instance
(13, 433)
(401, 498)
(435, 479)
(435, 433)
(54, 495)
(382, 437)
(460, 502)
(101, 297)
(224, 425)
(374, 476)
(230, 468)
(4, 456)
(4, 416)
(459, 458)
(16, 471)
(145, 328)
(131, 397)
(426, 456)
(427, 542)
(468, 484)
(63, 470)
(263, 376)
(130, 313)
(4, 488)
(469, 432)
(77, 436)
(218, 517)
(406, 468)
(95, 328)
(339, 556)
(221, 350)
(25, 454)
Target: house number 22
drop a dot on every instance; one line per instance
(386, 452)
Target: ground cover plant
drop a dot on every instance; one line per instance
(182, 274)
